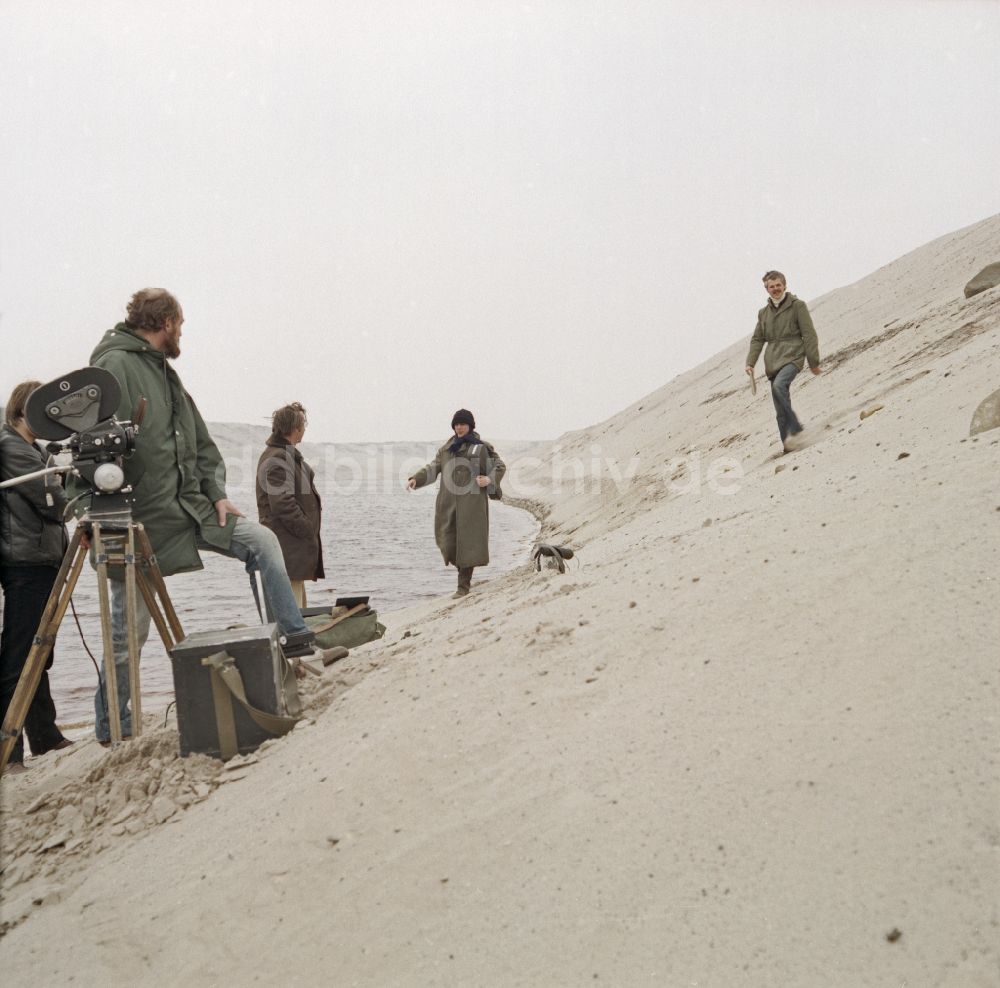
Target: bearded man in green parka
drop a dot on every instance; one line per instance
(785, 325)
(467, 466)
(179, 482)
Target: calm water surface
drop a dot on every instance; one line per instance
(377, 542)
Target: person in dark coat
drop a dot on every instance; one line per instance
(287, 500)
(467, 466)
(32, 543)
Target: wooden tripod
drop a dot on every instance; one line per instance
(114, 537)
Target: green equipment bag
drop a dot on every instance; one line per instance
(348, 626)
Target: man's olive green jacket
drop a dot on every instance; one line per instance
(789, 334)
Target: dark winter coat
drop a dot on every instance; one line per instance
(31, 528)
(462, 513)
(177, 470)
(789, 334)
(289, 504)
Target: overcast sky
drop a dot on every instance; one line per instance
(540, 211)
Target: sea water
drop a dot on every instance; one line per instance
(378, 539)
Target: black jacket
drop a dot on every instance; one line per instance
(31, 528)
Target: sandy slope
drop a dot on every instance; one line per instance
(748, 735)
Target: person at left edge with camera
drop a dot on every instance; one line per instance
(32, 543)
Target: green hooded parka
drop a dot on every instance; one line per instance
(176, 470)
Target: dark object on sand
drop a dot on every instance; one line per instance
(335, 654)
(557, 553)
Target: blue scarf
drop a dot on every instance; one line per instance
(470, 437)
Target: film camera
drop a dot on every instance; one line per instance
(75, 413)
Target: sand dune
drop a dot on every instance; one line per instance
(749, 738)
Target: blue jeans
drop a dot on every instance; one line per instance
(252, 544)
(788, 423)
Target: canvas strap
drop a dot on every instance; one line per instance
(226, 678)
(487, 468)
(225, 724)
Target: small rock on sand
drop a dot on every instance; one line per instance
(57, 839)
(988, 278)
(163, 809)
(987, 415)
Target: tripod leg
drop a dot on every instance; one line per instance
(153, 606)
(110, 672)
(155, 580)
(151, 583)
(34, 664)
(133, 641)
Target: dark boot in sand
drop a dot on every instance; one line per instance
(464, 582)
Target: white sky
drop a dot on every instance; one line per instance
(540, 211)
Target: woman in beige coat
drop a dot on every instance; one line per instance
(468, 466)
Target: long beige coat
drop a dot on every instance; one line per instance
(462, 513)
